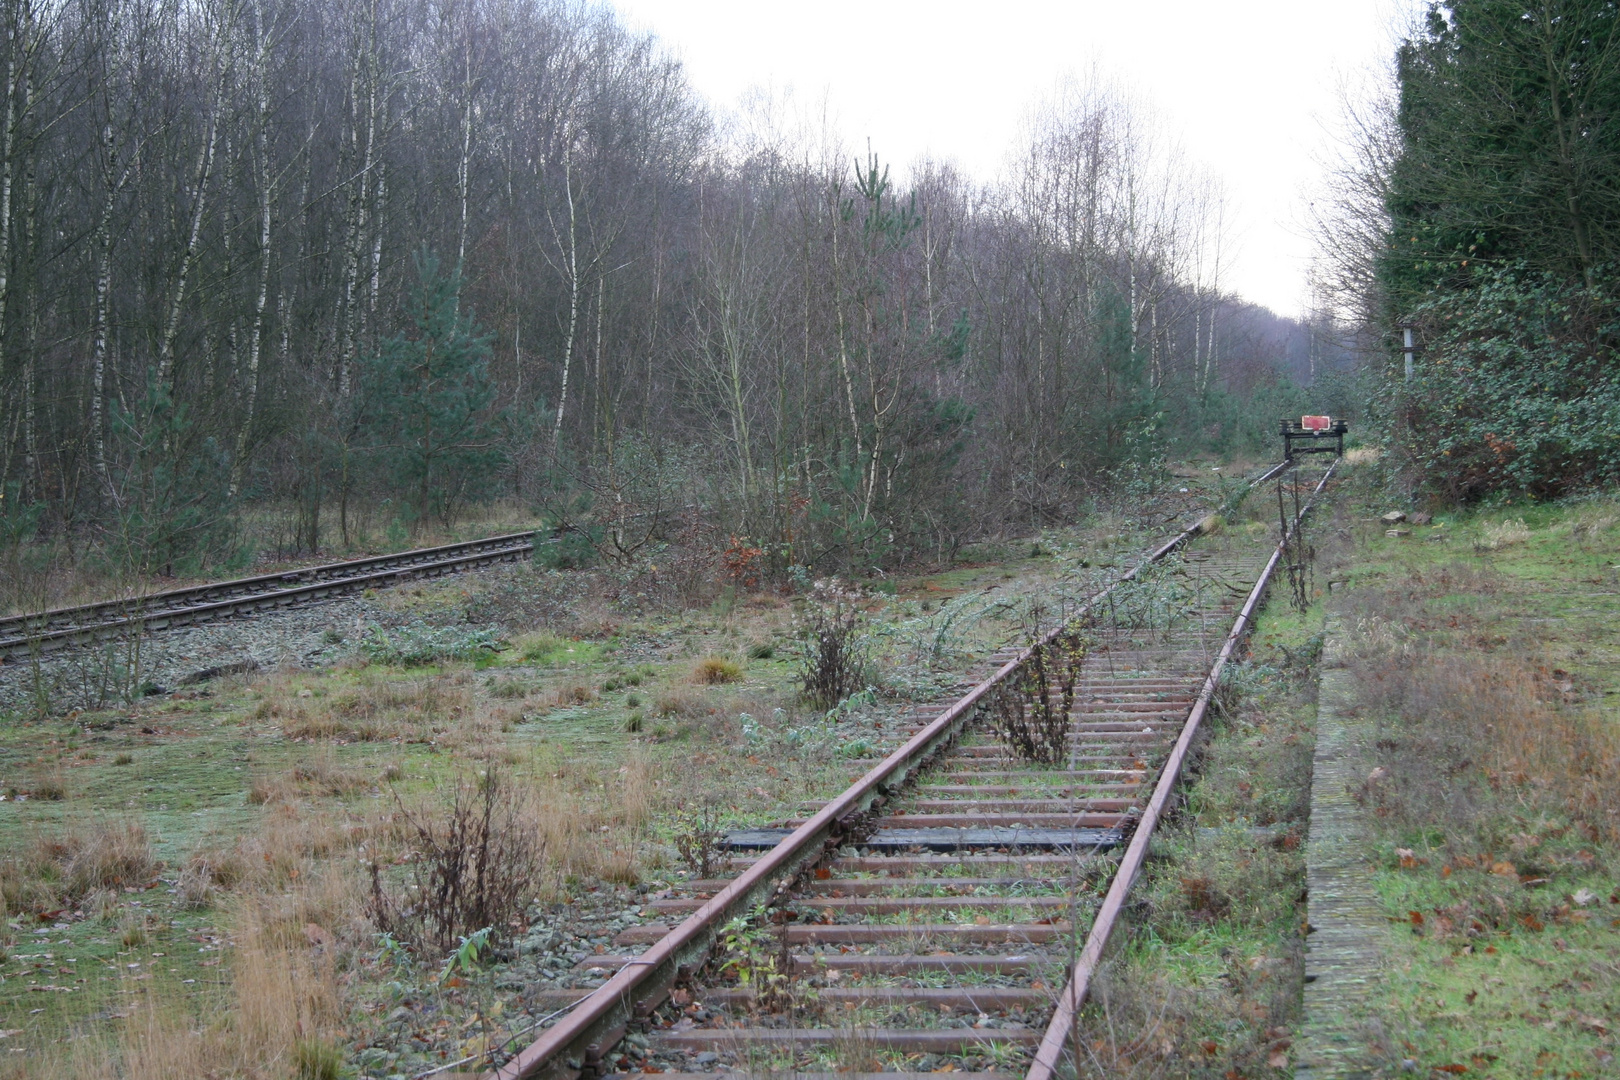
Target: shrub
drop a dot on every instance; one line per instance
(712, 670)
(1025, 716)
(416, 645)
(1518, 388)
(575, 549)
(833, 647)
(479, 864)
(700, 839)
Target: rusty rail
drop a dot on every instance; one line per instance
(1059, 1029)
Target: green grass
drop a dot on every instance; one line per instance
(1528, 988)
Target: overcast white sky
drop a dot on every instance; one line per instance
(1249, 87)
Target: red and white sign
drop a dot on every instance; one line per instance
(1315, 423)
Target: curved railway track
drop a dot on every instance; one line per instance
(43, 632)
(951, 907)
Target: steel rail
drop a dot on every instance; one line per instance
(1050, 1053)
(586, 1033)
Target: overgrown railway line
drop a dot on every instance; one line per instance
(953, 904)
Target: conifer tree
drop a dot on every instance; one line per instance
(430, 401)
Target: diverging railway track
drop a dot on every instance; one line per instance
(951, 907)
(23, 636)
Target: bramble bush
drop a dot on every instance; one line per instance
(1517, 389)
(418, 645)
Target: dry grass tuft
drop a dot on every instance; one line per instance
(316, 777)
(283, 1001)
(48, 786)
(1147, 1026)
(61, 871)
(714, 670)
(115, 855)
(509, 689)
(681, 704)
(1503, 534)
(571, 694)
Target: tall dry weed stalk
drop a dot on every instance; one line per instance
(833, 647)
(1029, 711)
(478, 860)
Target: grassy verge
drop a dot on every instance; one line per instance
(1486, 651)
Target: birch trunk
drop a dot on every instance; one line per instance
(18, 44)
(573, 299)
(262, 295)
(204, 170)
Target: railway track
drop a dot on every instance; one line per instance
(23, 636)
(950, 908)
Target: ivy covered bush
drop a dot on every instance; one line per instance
(1517, 389)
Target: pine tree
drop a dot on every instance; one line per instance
(429, 401)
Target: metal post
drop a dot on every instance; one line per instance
(1409, 348)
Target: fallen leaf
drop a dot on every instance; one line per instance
(1211, 1047)
(1504, 869)
(1451, 1068)
(822, 873)
(1416, 917)
(1595, 1024)
(1470, 996)
(1278, 1060)
(1583, 897)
